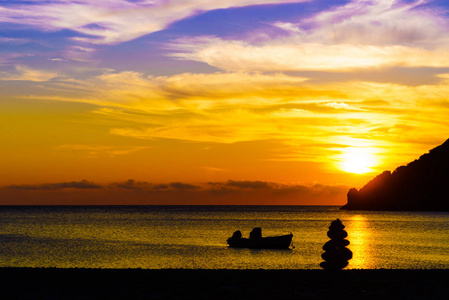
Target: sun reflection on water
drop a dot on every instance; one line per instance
(359, 236)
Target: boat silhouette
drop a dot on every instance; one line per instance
(256, 241)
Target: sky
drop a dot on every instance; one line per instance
(274, 102)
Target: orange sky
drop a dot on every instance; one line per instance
(271, 102)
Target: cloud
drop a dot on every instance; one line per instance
(145, 186)
(96, 150)
(380, 22)
(201, 107)
(84, 184)
(113, 21)
(358, 35)
(126, 87)
(231, 192)
(299, 56)
(183, 186)
(340, 105)
(277, 188)
(161, 187)
(233, 107)
(130, 184)
(14, 41)
(250, 184)
(25, 73)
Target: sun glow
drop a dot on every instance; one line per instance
(359, 234)
(358, 160)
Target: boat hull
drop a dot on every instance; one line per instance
(274, 242)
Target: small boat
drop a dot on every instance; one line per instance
(256, 241)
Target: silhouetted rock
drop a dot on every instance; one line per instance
(421, 185)
(336, 254)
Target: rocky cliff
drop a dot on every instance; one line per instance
(421, 185)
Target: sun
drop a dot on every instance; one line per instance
(358, 160)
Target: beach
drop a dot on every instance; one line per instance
(54, 283)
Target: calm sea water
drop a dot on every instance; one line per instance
(155, 237)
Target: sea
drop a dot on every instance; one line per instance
(194, 237)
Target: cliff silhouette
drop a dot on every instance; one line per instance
(422, 185)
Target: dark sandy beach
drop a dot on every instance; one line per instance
(27, 283)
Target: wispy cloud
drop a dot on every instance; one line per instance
(241, 106)
(113, 21)
(299, 56)
(361, 34)
(97, 150)
(24, 73)
(379, 22)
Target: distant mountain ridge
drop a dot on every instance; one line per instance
(422, 185)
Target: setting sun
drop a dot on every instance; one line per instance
(357, 160)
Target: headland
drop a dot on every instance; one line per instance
(421, 185)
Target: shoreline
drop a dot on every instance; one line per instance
(55, 283)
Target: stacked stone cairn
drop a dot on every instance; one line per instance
(336, 255)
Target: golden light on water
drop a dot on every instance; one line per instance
(358, 160)
(359, 235)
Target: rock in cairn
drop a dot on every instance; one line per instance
(336, 254)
